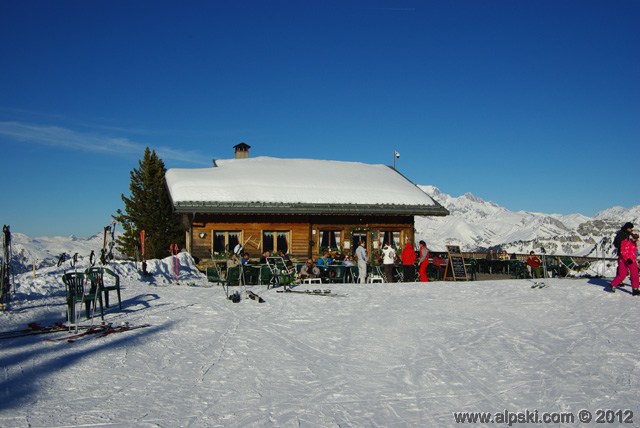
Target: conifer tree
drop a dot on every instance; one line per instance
(148, 208)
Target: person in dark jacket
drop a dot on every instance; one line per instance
(287, 260)
(622, 234)
(265, 255)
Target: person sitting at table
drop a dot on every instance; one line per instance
(233, 261)
(491, 256)
(287, 260)
(504, 255)
(534, 264)
(246, 259)
(263, 258)
(439, 262)
(325, 260)
(347, 261)
(309, 270)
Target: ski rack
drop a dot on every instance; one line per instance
(281, 274)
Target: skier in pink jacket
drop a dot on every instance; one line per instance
(627, 264)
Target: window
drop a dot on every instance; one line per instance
(274, 241)
(356, 237)
(330, 239)
(225, 242)
(390, 237)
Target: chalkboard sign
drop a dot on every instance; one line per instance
(453, 249)
(455, 269)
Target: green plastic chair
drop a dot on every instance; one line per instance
(265, 275)
(432, 272)
(213, 275)
(76, 293)
(337, 274)
(233, 276)
(472, 268)
(97, 274)
(518, 269)
(570, 265)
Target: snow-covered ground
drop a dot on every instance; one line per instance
(387, 355)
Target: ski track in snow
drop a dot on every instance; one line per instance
(387, 355)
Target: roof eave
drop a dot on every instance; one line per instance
(292, 208)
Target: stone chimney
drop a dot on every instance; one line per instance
(242, 150)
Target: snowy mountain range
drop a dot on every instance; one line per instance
(474, 224)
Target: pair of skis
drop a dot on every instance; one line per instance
(326, 292)
(33, 329)
(539, 284)
(175, 269)
(108, 242)
(97, 331)
(5, 276)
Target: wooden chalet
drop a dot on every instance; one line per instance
(301, 206)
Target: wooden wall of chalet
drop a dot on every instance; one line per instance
(302, 243)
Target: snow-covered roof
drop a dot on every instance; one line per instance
(271, 185)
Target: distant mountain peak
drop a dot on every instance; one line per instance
(472, 197)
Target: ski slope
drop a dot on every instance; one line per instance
(382, 355)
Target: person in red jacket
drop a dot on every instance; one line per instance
(423, 261)
(627, 264)
(534, 263)
(408, 257)
(440, 265)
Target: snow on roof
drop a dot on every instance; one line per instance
(267, 180)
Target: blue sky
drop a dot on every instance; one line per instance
(534, 105)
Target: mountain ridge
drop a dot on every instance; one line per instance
(476, 225)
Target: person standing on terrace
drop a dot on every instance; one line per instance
(534, 264)
(408, 262)
(423, 261)
(362, 258)
(388, 260)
